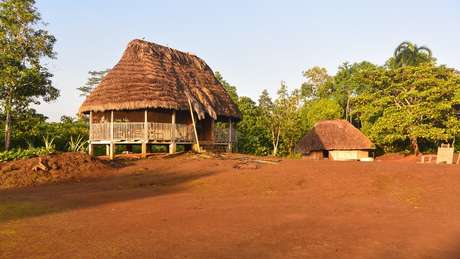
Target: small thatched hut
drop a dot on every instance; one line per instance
(159, 95)
(335, 140)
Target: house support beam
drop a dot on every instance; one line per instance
(112, 144)
(146, 134)
(172, 146)
(230, 133)
(90, 145)
(112, 150)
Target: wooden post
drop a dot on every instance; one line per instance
(172, 146)
(112, 143)
(230, 132)
(90, 144)
(146, 135)
(194, 126)
(107, 150)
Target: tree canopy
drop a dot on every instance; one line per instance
(23, 45)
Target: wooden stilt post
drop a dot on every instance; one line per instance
(230, 132)
(194, 126)
(112, 143)
(146, 133)
(172, 146)
(90, 144)
(107, 150)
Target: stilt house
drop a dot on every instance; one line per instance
(157, 95)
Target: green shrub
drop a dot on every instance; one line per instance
(24, 153)
(77, 144)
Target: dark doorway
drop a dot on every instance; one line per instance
(325, 154)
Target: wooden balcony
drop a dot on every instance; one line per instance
(134, 132)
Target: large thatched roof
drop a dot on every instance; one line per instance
(153, 76)
(334, 135)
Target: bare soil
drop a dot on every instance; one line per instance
(58, 168)
(231, 206)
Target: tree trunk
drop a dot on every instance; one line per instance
(7, 129)
(276, 141)
(348, 110)
(415, 146)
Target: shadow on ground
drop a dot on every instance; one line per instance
(40, 200)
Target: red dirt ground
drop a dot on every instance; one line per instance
(186, 207)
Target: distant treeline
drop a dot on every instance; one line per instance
(404, 105)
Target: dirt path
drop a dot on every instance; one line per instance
(178, 208)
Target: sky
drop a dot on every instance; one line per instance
(254, 44)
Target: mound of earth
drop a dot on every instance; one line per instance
(50, 169)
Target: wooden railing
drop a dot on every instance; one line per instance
(221, 135)
(135, 131)
(158, 132)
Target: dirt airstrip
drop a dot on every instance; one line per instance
(233, 207)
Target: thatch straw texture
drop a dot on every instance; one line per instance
(153, 76)
(334, 135)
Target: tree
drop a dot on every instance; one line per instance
(23, 45)
(346, 84)
(315, 77)
(410, 104)
(281, 117)
(253, 136)
(270, 120)
(318, 110)
(94, 79)
(231, 89)
(409, 54)
(291, 130)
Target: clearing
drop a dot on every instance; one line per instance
(224, 207)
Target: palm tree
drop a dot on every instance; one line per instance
(409, 54)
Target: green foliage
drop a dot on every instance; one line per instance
(231, 89)
(23, 46)
(316, 77)
(78, 144)
(16, 154)
(31, 128)
(318, 110)
(409, 54)
(253, 137)
(411, 103)
(95, 77)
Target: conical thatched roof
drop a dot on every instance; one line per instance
(334, 135)
(153, 76)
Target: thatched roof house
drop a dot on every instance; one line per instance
(154, 76)
(149, 98)
(335, 139)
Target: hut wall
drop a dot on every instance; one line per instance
(128, 116)
(159, 116)
(99, 117)
(344, 155)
